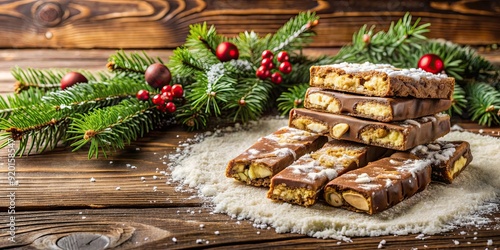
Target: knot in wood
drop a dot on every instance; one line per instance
(49, 14)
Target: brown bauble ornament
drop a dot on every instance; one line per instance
(431, 63)
(227, 51)
(71, 79)
(157, 75)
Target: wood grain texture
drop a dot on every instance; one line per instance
(165, 23)
(57, 206)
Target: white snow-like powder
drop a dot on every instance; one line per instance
(437, 209)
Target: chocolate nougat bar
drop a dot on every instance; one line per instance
(384, 109)
(301, 182)
(382, 80)
(448, 158)
(398, 135)
(380, 185)
(271, 154)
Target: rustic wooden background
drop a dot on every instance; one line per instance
(57, 205)
(165, 23)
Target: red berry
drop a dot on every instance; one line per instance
(262, 73)
(267, 62)
(267, 54)
(170, 107)
(142, 95)
(285, 67)
(167, 96)
(276, 78)
(71, 79)
(177, 91)
(166, 88)
(158, 100)
(283, 56)
(242, 102)
(157, 75)
(227, 51)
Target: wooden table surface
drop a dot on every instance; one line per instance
(56, 204)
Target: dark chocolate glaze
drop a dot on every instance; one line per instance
(442, 170)
(390, 182)
(401, 108)
(275, 162)
(428, 129)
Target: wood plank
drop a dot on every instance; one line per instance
(165, 24)
(198, 228)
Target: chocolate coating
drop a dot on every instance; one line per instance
(415, 132)
(401, 108)
(383, 183)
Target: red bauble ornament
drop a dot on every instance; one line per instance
(267, 54)
(157, 75)
(431, 63)
(71, 79)
(142, 95)
(285, 67)
(276, 78)
(283, 56)
(177, 91)
(170, 107)
(263, 73)
(227, 51)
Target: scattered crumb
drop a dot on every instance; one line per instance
(143, 178)
(475, 238)
(155, 177)
(133, 167)
(207, 242)
(137, 149)
(425, 246)
(489, 242)
(110, 162)
(381, 244)
(463, 233)
(118, 188)
(238, 222)
(475, 233)
(199, 241)
(128, 165)
(202, 225)
(339, 242)
(80, 212)
(258, 232)
(456, 242)
(174, 240)
(84, 217)
(92, 179)
(217, 233)
(155, 188)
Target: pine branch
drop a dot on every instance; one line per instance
(293, 98)
(249, 101)
(459, 101)
(18, 102)
(202, 42)
(294, 34)
(43, 79)
(113, 127)
(183, 64)
(134, 62)
(484, 103)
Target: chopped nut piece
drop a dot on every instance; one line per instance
(339, 130)
(356, 200)
(335, 199)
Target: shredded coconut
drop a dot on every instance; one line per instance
(435, 210)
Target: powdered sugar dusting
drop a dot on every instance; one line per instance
(436, 209)
(390, 70)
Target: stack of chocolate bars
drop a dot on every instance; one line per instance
(365, 140)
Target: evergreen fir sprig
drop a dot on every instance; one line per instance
(113, 127)
(295, 34)
(37, 128)
(17, 102)
(394, 46)
(484, 103)
(293, 98)
(132, 62)
(44, 79)
(459, 101)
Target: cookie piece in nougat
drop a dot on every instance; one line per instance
(448, 158)
(301, 182)
(381, 80)
(271, 154)
(384, 109)
(380, 185)
(397, 135)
